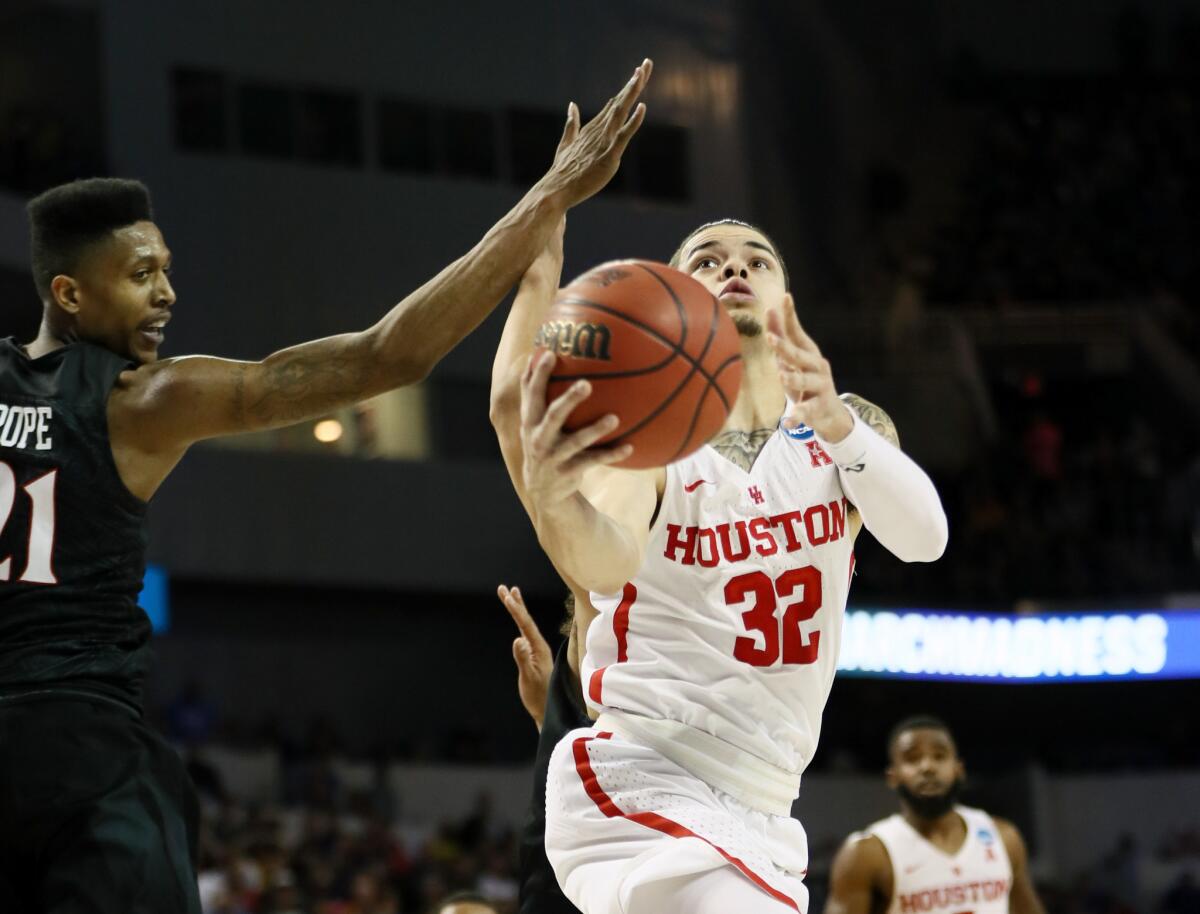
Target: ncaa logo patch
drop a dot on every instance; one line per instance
(985, 836)
(800, 433)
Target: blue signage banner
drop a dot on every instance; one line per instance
(981, 647)
(153, 598)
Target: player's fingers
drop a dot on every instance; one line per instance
(587, 436)
(571, 129)
(563, 405)
(533, 388)
(792, 356)
(597, 457)
(628, 129)
(796, 332)
(521, 654)
(520, 615)
(632, 91)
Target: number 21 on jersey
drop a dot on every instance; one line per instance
(38, 568)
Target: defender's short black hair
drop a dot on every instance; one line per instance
(917, 722)
(677, 257)
(66, 220)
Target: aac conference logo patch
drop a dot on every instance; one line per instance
(800, 433)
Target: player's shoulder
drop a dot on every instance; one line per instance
(873, 415)
(1009, 834)
(864, 850)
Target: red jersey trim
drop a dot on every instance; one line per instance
(621, 632)
(605, 804)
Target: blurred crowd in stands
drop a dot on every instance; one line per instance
(355, 854)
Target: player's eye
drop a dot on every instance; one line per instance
(141, 274)
(759, 264)
(705, 263)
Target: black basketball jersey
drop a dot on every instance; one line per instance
(540, 893)
(72, 536)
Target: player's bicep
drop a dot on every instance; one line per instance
(852, 878)
(880, 422)
(874, 416)
(178, 401)
(627, 497)
(1023, 899)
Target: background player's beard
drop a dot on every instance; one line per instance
(747, 325)
(931, 807)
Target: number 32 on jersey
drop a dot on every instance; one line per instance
(780, 635)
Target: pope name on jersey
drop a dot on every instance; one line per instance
(732, 626)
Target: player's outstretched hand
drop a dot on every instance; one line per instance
(589, 156)
(532, 654)
(554, 459)
(806, 376)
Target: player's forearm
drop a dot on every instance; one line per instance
(534, 296)
(412, 338)
(896, 499)
(588, 547)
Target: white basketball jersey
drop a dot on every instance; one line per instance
(733, 623)
(978, 879)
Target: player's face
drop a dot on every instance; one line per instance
(925, 765)
(739, 266)
(123, 292)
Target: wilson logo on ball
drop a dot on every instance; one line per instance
(579, 339)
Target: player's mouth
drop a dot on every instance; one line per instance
(151, 332)
(736, 290)
(930, 788)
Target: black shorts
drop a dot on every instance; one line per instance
(97, 813)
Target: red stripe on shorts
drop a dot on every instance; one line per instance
(604, 802)
(621, 632)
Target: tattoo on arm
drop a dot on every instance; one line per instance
(311, 380)
(742, 448)
(875, 417)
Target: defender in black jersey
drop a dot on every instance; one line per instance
(96, 812)
(551, 693)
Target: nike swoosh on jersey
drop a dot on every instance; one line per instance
(692, 487)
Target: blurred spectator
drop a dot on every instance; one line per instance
(1183, 897)
(190, 718)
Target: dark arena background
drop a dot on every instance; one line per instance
(989, 215)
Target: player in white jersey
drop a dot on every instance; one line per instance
(721, 582)
(934, 856)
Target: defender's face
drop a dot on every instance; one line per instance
(739, 266)
(123, 292)
(925, 762)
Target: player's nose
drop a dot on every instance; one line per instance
(166, 292)
(733, 268)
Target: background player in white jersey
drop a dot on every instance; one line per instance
(721, 582)
(934, 856)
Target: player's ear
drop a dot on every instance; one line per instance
(890, 776)
(65, 292)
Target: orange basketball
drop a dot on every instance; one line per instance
(659, 349)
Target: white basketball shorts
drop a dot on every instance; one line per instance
(629, 832)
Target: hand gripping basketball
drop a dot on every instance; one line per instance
(588, 156)
(555, 460)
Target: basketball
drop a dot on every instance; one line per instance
(659, 350)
